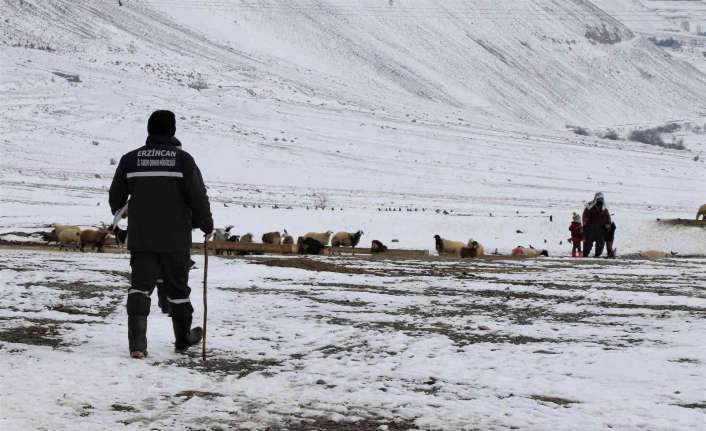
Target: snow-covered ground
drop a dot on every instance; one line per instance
(531, 345)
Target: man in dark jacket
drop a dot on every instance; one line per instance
(596, 222)
(167, 198)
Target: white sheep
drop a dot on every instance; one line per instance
(69, 236)
(446, 246)
(656, 254)
(58, 228)
(346, 239)
(322, 237)
(528, 252)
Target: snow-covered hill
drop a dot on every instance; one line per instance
(374, 104)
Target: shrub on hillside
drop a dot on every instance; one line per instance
(654, 137)
(669, 42)
(611, 134)
(580, 131)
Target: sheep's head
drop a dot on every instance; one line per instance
(228, 228)
(439, 243)
(544, 253)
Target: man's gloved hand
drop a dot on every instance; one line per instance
(207, 226)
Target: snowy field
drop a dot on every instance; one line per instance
(344, 343)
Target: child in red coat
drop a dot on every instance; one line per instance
(576, 236)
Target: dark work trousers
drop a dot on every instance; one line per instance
(594, 233)
(173, 269)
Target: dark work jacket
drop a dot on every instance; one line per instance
(596, 216)
(167, 196)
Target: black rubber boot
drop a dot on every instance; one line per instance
(184, 335)
(137, 336)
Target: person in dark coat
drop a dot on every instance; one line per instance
(596, 222)
(167, 197)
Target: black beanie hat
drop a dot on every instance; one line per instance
(162, 123)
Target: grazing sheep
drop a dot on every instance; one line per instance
(656, 254)
(445, 246)
(246, 239)
(701, 214)
(309, 246)
(69, 236)
(346, 239)
(377, 247)
(272, 238)
(322, 237)
(474, 249)
(58, 228)
(94, 238)
(222, 234)
(528, 252)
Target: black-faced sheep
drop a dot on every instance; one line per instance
(49, 237)
(377, 247)
(272, 238)
(474, 249)
(445, 246)
(120, 236)
(701, 214)
(69, 236)
(222, 234)
(309, 246)
(94, 238)
(322, 237)
(346, 239)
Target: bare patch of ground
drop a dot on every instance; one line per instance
(42, 333)
(553, 400)
(312, 265)
(223, 363)
(324, 424)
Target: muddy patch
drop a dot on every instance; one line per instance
(324, 424)
(313, 265)
(223, 364)
(44, 332)
(564, 402)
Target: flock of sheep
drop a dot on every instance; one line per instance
(68, 236)
(309, 243)
(74, 237)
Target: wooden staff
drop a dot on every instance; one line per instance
(205, 286)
